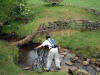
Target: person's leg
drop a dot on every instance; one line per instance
(57, 60)
(50, 58)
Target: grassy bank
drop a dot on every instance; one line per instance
(83, 43)
(8, 54)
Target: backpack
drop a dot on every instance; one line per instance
(53, 43)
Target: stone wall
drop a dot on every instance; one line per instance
(82, 25)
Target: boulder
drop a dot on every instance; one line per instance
(85, 63)
(52, 70)
(82, 72)
(64, 53)
(65, 50)
(97, 63)
(27, 68)
(92, 61)
(64, 69)
(97, 68)
(68, 63)
(74, 58)
(62, 56)
(60, 51)
(74, 68)
(88, 60)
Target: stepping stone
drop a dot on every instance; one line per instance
(74, 68)
(27, 68)
(82, 72)
(85, 63)
(68, 63)
(64, 69)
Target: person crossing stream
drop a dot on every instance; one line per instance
(37, 59)
(53, 53)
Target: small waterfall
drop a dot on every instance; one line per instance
(32, 55)
(37, 60)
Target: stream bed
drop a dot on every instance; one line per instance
(37, 60)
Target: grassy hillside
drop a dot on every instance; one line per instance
(44, 13)
(84, 43)
(95, 4)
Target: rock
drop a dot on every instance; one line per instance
(1, 24)
(97, 63)
(75, 59)
(88, 60)
(52, 70)
(60, 51)
(82, 72)
(27, 68)
(92, 61)
(62, 56)
(65, 50)
(64, 53)
(64, 69)
(68, 63)
(74, 68)
(97, 68)
(73, 56)
(85, 63)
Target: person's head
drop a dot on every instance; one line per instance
(47, 36)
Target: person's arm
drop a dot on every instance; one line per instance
(38, 47)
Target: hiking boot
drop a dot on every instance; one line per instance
(58, 68)
(46, 69)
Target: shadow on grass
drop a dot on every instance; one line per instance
(50, 5)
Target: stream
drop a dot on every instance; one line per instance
(38, 59)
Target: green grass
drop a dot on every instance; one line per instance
(84, 43)
(95, 4)
(43, 14)
(7, 53)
